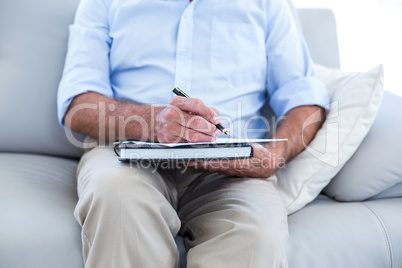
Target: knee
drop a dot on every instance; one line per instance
(111, 187)
(273, 238)
(110, 182)
(106, 183)
(269, 235)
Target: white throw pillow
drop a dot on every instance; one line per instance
(355, 101)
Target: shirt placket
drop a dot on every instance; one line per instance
(184, 50)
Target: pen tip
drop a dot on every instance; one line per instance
(226, 132)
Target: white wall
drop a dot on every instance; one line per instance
(370, 33)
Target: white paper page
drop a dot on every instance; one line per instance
(218, 141)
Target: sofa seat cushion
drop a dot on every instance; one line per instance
(37, 199)
(327, 233)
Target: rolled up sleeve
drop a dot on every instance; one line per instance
(87, 61)
(291, 80)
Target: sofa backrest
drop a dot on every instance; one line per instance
(33, 44)
(319, 30)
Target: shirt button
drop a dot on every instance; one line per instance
(184, 52)
(182, 83)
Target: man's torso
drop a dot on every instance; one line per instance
(214, 50)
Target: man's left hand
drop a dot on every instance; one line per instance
(263, 164)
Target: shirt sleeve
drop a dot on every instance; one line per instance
(87, 62)
(291, 80)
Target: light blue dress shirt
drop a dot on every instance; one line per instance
(232, 54)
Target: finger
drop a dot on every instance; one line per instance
(174, 132)
(215, 110)
(213, 165)
(191, 135)
(199, 124)
(257, 146)
(196, 106)
(166, 138)
(171, 132)
(191, 163)
(199, 165)
(174, 114)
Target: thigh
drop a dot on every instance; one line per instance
(100, 167)
(210, 192)
(126, 207)
(233, 222)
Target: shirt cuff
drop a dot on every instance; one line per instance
(67, 92)
(300, 92)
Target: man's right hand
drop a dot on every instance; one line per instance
(186, 120)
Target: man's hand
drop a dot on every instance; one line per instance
(263, 163)
(267, 161)
(186, 120)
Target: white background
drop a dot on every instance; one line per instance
(369, 33)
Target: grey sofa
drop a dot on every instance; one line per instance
(37, 162)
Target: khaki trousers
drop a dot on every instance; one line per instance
(130, 214)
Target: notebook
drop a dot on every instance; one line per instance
(224, 148)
